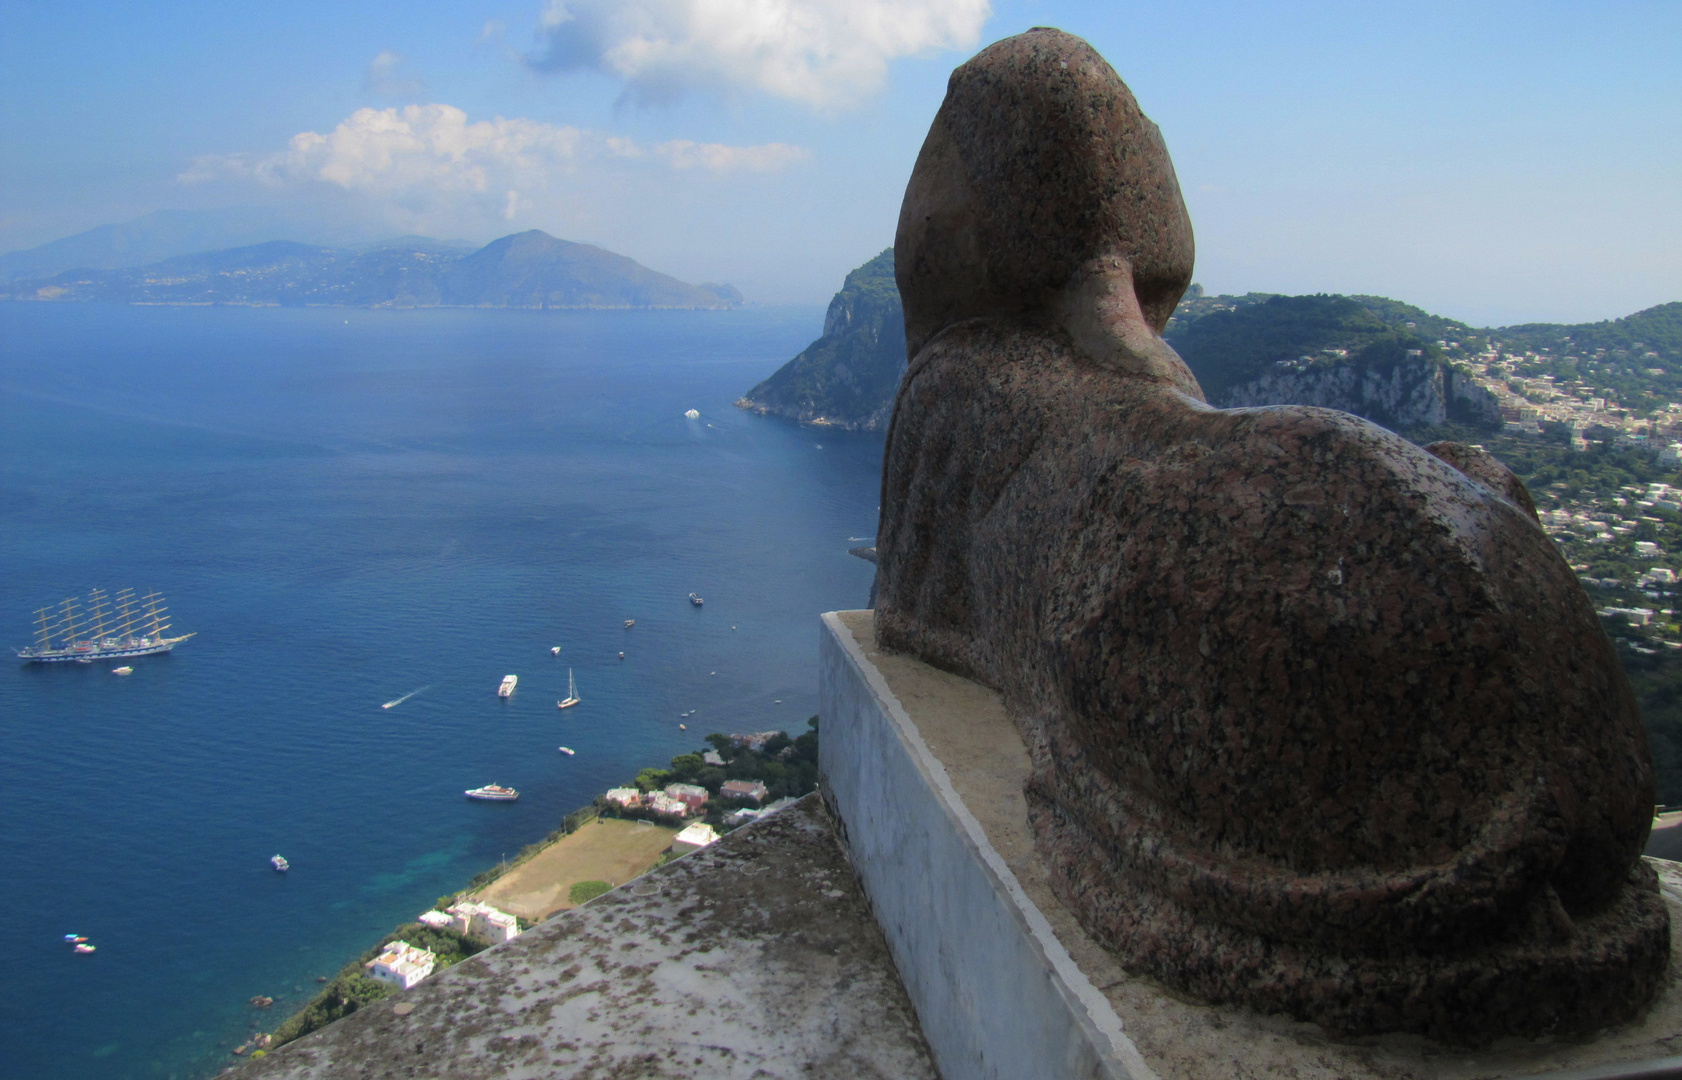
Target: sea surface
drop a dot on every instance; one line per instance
(346, 507)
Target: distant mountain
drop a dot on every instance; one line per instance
(535, 270)
(846, 378)
(165, 234)
(527, 270)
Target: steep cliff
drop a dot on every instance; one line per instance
(1398, 392)
(1352, 354)
(847, 377)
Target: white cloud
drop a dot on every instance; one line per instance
(827, 54)
(385, 76)
(432, 161)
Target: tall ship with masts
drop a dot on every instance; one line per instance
(103, 627)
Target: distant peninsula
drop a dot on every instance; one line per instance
(525, 270)
(846, 378)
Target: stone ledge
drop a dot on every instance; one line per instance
(754, 957)
(997, 994)
(926, 771)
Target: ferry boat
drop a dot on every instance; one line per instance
(279, 863)
(696, 600)
(106, 628)
(494, 792)
(572, 697)
(507, 687)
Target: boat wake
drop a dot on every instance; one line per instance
(405, 697)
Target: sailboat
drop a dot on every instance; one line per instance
(119, 626)
(572, 697)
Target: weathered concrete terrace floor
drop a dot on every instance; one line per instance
(755, 957)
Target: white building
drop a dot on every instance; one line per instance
(627, 797)
(697, 836)
(665, 806)
(402, 964)
(484, 922)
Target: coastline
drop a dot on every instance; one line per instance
(558, 873)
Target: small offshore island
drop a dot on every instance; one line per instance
(625, 832)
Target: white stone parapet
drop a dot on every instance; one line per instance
(997, 995)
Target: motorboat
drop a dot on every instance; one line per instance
(696, 600)
(124, 670)
(494, 793)
(567, 750)
(507, 688)
(279, 863)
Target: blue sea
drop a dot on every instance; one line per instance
(348, 506)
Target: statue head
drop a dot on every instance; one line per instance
(1039, 170)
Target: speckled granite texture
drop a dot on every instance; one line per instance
(1320, 722)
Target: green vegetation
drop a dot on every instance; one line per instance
(848, 376)
(584, 891)
(788, 767)
(351, 988)
(1228, 347)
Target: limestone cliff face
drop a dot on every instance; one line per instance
(847, 377)
(1409, 393)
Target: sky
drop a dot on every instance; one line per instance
(1496, 162)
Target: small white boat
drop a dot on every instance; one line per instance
(683, 727)
(84, 949)
(693, 414)
(555, 650)
(494, 793)
(567, 750)
(124, 670)
(279, 863)
(696, 600)
(507, 687)
(630, 623)
(621, 656)
(572, 697)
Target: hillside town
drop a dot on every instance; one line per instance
(1530, 398)
(1621, 538)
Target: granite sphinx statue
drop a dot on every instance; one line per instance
(1320, 722)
